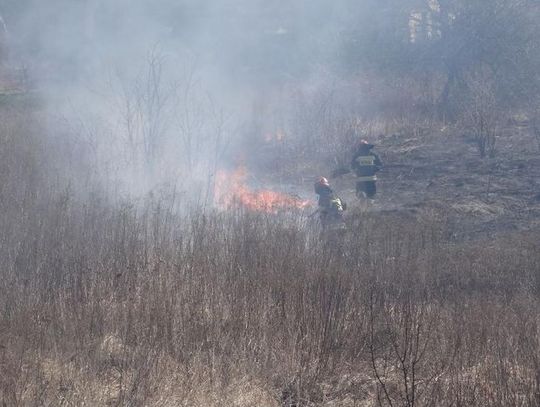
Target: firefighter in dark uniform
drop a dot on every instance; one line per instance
(331, 207)
(365, 163)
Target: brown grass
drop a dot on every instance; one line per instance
(138, 305)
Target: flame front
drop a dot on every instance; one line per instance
(231, 190)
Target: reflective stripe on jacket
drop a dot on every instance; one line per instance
(366, 165)
(365, 179)
(336, 205)
(366, 161)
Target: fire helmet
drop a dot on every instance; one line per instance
(322, 186)
(322, 181)
(364, 144)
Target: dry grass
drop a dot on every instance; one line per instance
(136, 305)
(128, 307)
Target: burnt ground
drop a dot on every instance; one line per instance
(443, 173)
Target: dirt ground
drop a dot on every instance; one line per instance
(443, 172)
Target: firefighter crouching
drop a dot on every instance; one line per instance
(331, 207)
(365, 163)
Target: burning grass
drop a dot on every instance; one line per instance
(232, 190)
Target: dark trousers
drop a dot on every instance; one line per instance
(369, 188)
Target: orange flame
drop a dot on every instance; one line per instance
(231, 190)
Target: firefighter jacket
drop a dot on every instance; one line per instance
(366, 164)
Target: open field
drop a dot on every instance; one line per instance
(115, 307)
(161, 243)
(138, 304)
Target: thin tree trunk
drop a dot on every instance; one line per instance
(445, 110)
(4, 49)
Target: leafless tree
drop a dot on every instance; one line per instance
(482, 113)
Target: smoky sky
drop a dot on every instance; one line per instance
(90, 58)
(246, 41)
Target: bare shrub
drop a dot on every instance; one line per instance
(482, 116)
(534, 124)
(140, 304)
(154, 305)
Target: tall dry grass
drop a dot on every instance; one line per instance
(138, 305)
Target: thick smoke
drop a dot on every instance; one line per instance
(160, 90)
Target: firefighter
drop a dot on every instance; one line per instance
(365, 163)
(331, 207)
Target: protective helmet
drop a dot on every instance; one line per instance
(322, 181)
(322, 186)
(364, 144)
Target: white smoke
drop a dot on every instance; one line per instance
(159, 89)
